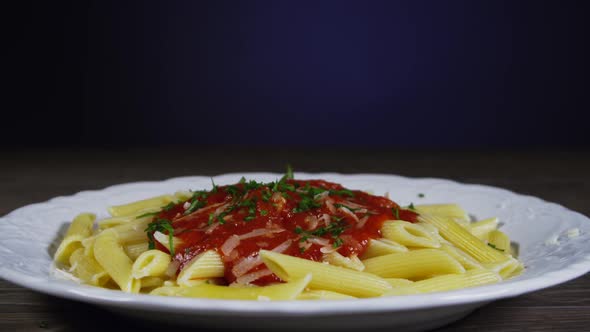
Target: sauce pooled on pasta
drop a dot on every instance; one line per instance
(302, 218)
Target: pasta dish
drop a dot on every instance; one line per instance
(289, 239)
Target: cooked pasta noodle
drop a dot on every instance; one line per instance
(285, 240)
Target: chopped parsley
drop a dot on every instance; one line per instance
(263, 212)
(162, 226)
(306, 203)
(149, 214)
(166, 207)
(169, 206)
(253, 185)
(195, 205)
(289, 173)
(334, 230)
(421, 195)
(494, 246)
(232, 190)
(395, 212)
(342, 192)
(337, 243)
(214, 189)
(411, 206)
(266, 195)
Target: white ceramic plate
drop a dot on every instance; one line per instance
(29, 234)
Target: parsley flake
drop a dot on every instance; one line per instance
(149, 214)
(162, 226)
(289, 173)
(169, 206)
(494, 246)
(395, 212)
(195, 205)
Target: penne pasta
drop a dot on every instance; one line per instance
(447, 282)
(287, 291)
(380, 247)
(134, 207)
(500, 241)
(151, 282)
(336, 259)
(453, 211)
(481, 229)
(408, 234)
(87, 269)
(327, 277)
(414, 265)
(463, 239)
(136, 249)
(398, 282)
(505, 269)
(80, 229)
(111, 256)
(152, 263)
(284, 240)
(204, 266)
(468, 262)
(322, 294)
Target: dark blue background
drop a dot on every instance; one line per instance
(348, 73)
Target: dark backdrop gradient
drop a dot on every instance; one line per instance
(334, 73)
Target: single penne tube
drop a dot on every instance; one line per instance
(408, 234)
(205, 265)
(447, 282)
(398, 282)
(110, 255)
(88, 245)
(133, 207)
(151, 282)
(327, 277)
(414, 265)
(443, 210)
(172, 283)
(152, 263)
(322, 294)
(132, 232)
(139, 216)
(463, 239)
(380, 247)
(433, 232)
(87, 269)
(505, 269)
(114, 221)
(336, 259)
(481, 229)
(80, 228)
(500, 241)
(136, 249)
(468, 262)
(286, 291)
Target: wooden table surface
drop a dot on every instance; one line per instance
(28, 176)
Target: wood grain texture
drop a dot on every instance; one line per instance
(36, 175)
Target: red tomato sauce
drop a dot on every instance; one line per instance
(302, 218)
